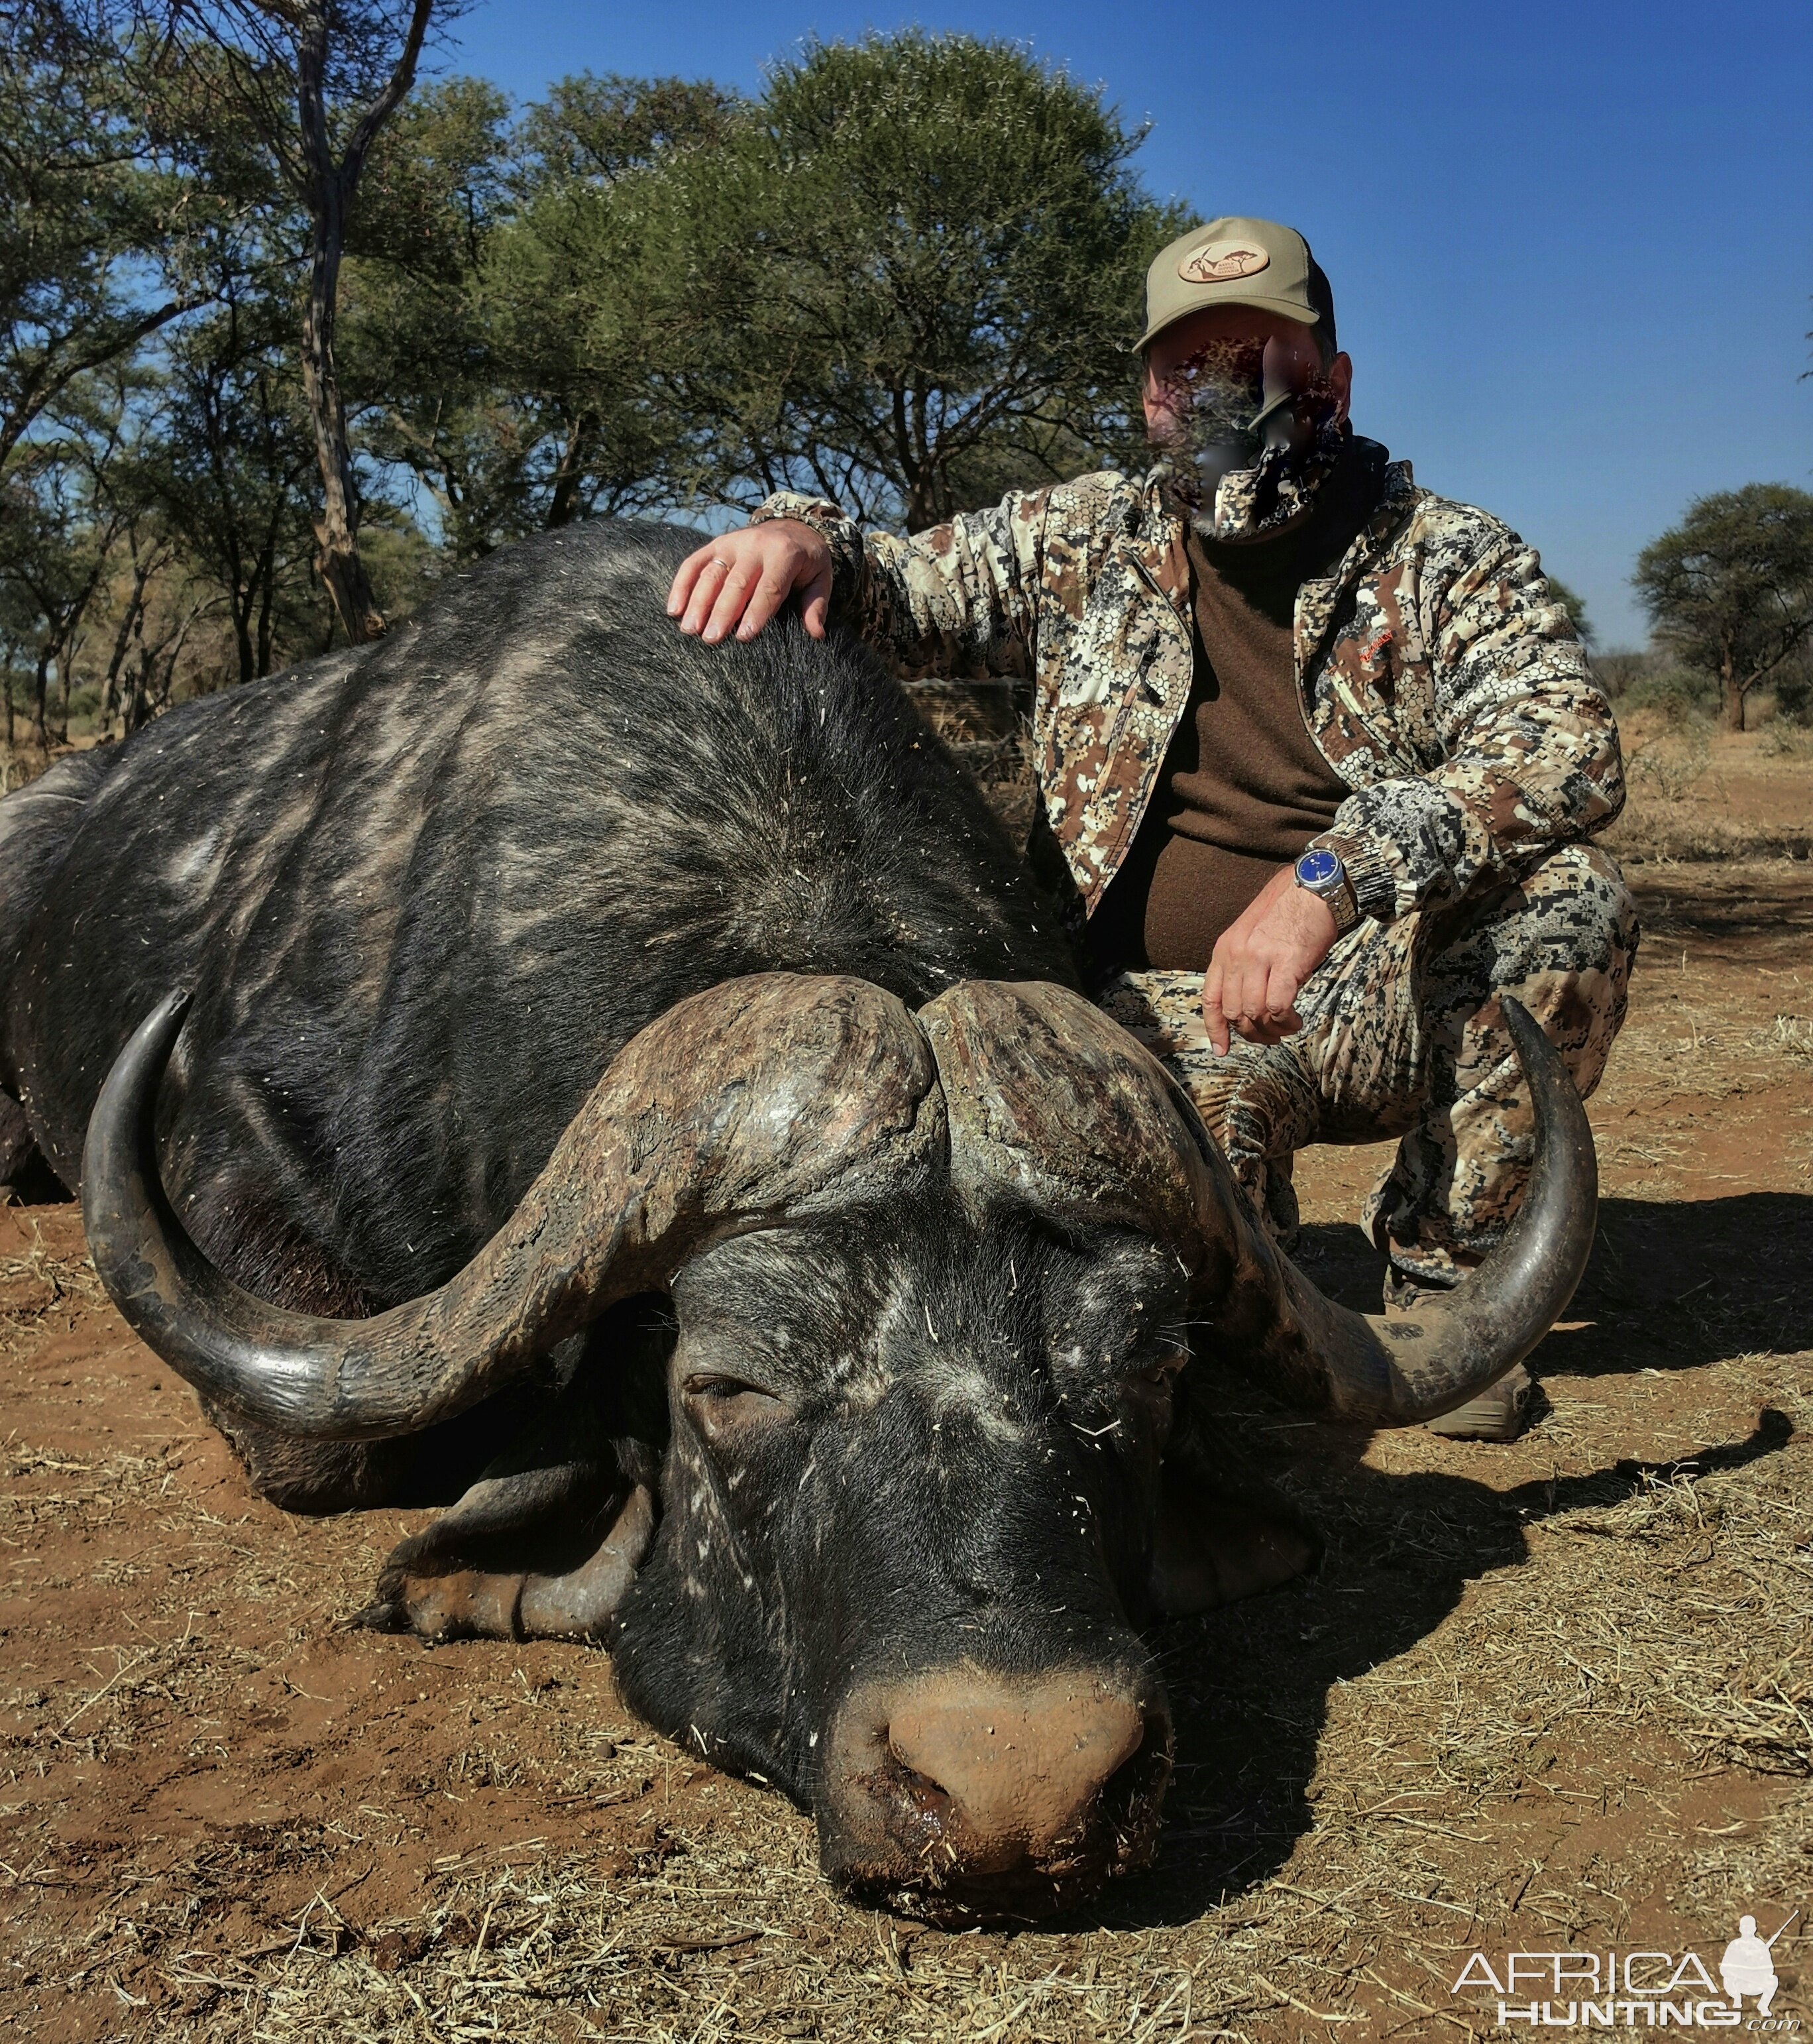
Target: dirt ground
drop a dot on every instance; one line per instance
(1553, 1695)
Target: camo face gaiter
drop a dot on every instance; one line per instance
(1243, 453)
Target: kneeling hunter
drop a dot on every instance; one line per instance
(1319, 756)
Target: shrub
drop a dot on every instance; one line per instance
(1680, 695)
(1794, 694)
(1618, 673)
(1668, 766)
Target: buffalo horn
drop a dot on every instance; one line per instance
(736, 1108)
(1053, 1103)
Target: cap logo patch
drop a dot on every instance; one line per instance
(1222, 263)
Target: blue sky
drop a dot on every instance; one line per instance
(1571, 246)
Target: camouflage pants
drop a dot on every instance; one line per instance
(1402, 1037)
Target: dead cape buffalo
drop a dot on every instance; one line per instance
(635, 1090)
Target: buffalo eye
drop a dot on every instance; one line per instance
(1161, 1371)
(1150, 1389)
(727, 1405)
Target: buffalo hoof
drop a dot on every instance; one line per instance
(426, 1588)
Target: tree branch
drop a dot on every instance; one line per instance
(41, 391)
(402, 76)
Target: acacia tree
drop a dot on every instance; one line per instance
(911, 274)
(907, 277)
(224, 458)
(576, 291)
(1730, 590)
(315, 81)
(421, 365)
(61, 532)
(95, 223)
(502, 339)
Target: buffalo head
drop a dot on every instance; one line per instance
(932, 1287)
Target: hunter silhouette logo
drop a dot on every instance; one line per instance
(1582, 1990)
(1222, 263)
(1748, 1966)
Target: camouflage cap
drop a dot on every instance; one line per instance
(1234, 261)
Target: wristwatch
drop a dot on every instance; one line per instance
(1320, 872)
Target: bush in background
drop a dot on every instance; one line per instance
(1678, 695)
(1794, 692)
(1730, 590)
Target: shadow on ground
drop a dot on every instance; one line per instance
(1250, 1685)
(1715, 909)
(1671, 1286)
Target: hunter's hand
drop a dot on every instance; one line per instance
(739, 582)
(1261, 961)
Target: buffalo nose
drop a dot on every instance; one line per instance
(963, 1792)
(1010, 1769)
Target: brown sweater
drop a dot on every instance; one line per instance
(1243, 788)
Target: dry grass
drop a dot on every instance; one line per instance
(1698, 794)
(1791, 1035)
(1516, 1713)
(1781, 740)
(1556, 1694)
(1668, 762)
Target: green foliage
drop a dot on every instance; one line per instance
(436, 182)
(908, 275)
(1681, 695)
(131, 217)
(597, 131)
(1575, 606)
(911, 271)
(226, 456)
(505, 347)
(1730, 590)
(65, 501)
(1618, 671)
(405, 563)
(102, 229)
(1794, 687)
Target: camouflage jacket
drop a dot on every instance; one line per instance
(1440, 677)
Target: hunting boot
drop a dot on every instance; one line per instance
(1501, 1412)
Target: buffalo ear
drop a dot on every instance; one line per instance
(1222, 1535)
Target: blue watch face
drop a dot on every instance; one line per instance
(1318, 868)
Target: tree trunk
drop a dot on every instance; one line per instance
(128, 689)
(133, 703)
(268, 568)
(329, 190)
(131, 626)
(242, 636)
(564, 504)
(40, 695)
(1730, 693)
(79, 354)
(117, 660)
(337, 527)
